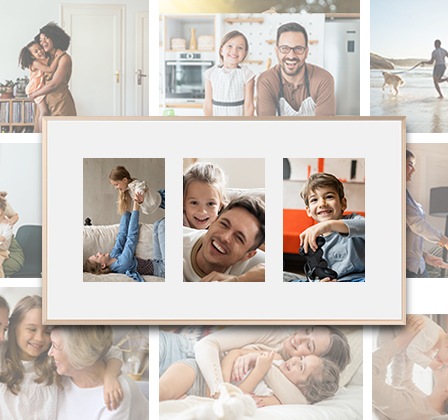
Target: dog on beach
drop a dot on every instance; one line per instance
(393, 80)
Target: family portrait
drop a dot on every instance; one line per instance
(65, 372)
(20, 223)
(324, 220)
(409, 375)
(259, 64)
(79, 59)
(407, 72)
(124, 223)
(224, 220)
(273, 372)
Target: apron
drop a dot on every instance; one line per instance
(307, 107)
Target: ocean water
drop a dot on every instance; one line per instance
(417, 99)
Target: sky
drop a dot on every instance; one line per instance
(407, 28)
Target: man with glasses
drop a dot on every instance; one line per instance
(294, 87)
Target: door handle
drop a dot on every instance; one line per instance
(140, 74)
(117, 77)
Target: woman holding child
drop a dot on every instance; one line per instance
(58, 98)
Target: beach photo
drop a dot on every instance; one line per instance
(324, 220)
(408, 50)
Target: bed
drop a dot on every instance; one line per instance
(102, 239)
(347, 404)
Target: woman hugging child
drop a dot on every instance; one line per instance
(34, 58)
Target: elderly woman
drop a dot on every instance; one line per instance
(57, 95)
(78, 354)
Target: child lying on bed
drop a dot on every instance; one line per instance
(316, 377)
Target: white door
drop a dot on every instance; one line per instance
(96, 49)
(141, 64)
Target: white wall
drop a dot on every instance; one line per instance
(20, 21)
(14, 294)
(20, 176)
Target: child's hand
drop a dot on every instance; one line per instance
(242, 365)
(139, 197)
(435, 364)
(308, 236)
(113, 394)
(264, 361)
(58, 54)
(414, 324)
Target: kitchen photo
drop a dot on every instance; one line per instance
(259, 64)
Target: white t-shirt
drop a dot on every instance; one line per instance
(76, 403)
(191, 236)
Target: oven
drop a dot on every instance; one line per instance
(184, 75)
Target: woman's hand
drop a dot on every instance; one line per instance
(113, 394)
(139, 197)
(435, 261)
(242, 365)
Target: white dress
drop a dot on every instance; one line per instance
(228, 87)
(34, 401)
(152, 198)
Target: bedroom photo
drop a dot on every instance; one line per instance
(273, 372)
(80, 58)
(68, 371)
(324, 220)
(20, 210)
(244, 65)
(124, 223)
(224, 220)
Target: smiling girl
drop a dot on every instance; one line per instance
(229, 87)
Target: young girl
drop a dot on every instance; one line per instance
(128, 187)
(122, 258)
(28, 382)
(33, 57)
(229, 87)
(204, 195)
(5, 234)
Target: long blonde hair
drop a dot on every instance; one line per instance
(124, 198)
(13, 373)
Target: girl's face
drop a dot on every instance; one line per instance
(299, 369)
(234, 52)
(121, 185)
(37, 52)
(308, 340)
(202, 204)
(46, 43)
(4, 319)
(33, 338)
(57, 352)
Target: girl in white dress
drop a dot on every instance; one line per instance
(5, 234)
(229, 87)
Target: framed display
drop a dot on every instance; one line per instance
(350, 145)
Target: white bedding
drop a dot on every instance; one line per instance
(345, 405)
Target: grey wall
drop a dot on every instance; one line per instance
(100, 197)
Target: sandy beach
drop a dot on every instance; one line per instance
(417, 100)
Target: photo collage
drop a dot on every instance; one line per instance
(251, 129)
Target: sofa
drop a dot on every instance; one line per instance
(102, 239)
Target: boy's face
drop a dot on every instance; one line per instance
(324, 204)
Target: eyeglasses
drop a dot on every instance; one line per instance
(285, 49)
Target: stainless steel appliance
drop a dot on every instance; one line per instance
(184, 75)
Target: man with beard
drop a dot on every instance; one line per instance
(228, 250)
(294, 87)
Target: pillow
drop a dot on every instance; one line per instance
(102, 239)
